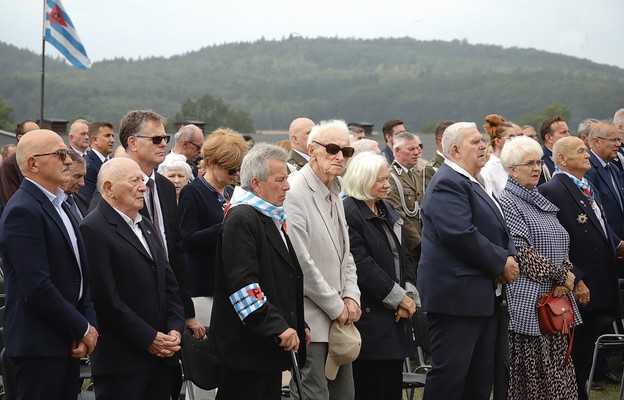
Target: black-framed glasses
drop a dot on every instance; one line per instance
(334, 149)
(156, 139)
(62, 154)
(532, 164)
(197, 146)
(613, 140)
(233, 171)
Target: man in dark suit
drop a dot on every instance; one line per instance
(134, 291)
(390, 129)
(78, 205)
(49, 318)
(102, 142)
(466, 250)
(298, 132)
(257, 315)
(592, 249)
(605, 142)
(552, 129)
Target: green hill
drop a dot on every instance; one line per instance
(274, 81)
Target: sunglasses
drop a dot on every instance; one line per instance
(233, 171)
(197, 146)
(334, 149)
(156, 139)
(62, 154)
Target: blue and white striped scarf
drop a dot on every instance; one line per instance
(241, 196)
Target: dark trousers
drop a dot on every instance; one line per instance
(236, 384)
(43, 378)
(151, 385)
(378, 379)
(585, 337)
(462, 357)
(501, 351)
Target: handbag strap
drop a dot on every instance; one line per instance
(565, 362)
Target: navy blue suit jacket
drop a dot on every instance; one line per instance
(548, 161)
(43, 313)
(465, 245)
(592, 252)
(93, 168)
(601, 179)
(135, 293)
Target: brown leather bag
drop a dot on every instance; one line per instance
(555, 315)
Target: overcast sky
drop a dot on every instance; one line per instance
(132, 28)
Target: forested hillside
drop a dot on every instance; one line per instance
(363, 80)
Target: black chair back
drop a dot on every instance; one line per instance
(197, 365)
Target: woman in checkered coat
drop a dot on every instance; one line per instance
(537, 369)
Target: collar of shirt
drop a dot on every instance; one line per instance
(80, 153)
(602, 162)
(440, 154)
(100, 155)
(57, 198)
(304, 155)
(399, 164)
(133, 223)
(484, 183)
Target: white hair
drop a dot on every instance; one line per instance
(325, 126)
(516, 149)
(618, 117)
(452, 136)
(173, 162)
(361, 175)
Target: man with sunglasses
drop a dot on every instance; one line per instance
(188, 142)
(49, 318)
(318, 230)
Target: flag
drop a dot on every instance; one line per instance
(60, 32)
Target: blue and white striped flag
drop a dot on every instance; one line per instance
(60, 32)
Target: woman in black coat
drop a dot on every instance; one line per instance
(385, 276)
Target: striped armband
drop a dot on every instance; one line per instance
(247, 300)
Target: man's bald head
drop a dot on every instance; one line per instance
(42, 156)
(298, 132)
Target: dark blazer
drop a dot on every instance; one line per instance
(382, 338)
(93, 168)
(465, 245)
(135, 294)
(201, 215)
(82, 203)
(251, 250)
(169, 207)
(601, 179)
(592, 253)
(548, 161)
(388, 153)
(42, 277)
(10, 178)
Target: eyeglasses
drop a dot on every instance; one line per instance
(197, 146)
(233, 171)
(532, 164)
(157, 139)
(62, 154)
(334, 149)
(612, 140)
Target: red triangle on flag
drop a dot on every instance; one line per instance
(56, 17)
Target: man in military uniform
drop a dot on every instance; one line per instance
(406, 194)
(433, 165)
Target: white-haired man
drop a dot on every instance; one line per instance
(188, 142)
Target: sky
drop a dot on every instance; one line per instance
(141, 28)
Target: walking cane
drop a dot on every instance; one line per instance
(296, 373)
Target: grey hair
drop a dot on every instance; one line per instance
(585, 126)
(618, 117)
(452, 136)
(73, 126)
(361, 175)
(185, 133)
(175, 161)
(256, 163)
(325, 126)
(365, 145)
(400, 139)
(516, 149)
(599, 129)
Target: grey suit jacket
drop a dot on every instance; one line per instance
(329, 273)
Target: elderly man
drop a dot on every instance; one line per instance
(298, 132)
(466, 250)
(318, 230)
(49, 318)
(391, 128)
(134, 291)
(188, 142)
(79, 136)
(10, 175)
(78, 205)
(407, 190)
(552, 129)
(592, 249)
(618, 121)
(257, 317)
(529, 131)
(102, 143)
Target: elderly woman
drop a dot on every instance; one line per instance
(499, 132)
(177, 171)
(201, 213)
(385, 276)
(537, 362)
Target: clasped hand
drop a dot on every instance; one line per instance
(165, 345)
(406, 308)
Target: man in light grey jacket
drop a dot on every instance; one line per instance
(318, 231)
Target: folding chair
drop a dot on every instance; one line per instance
(608, 341)
(415, 377)
(197, 366)
(8, 376)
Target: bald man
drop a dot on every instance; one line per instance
(49, 318)
(298, 132)
(10, 174)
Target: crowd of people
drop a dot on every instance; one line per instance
(319, 250)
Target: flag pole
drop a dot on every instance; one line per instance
(42, 64)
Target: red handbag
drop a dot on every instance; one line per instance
(555, 315)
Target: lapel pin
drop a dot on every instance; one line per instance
(581, 218)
